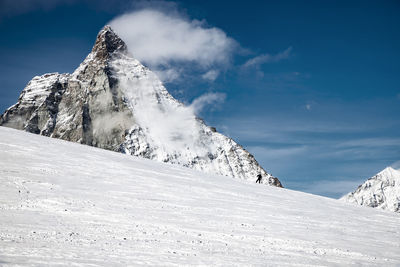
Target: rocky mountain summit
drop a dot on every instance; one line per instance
(380, 191)
(113, 102)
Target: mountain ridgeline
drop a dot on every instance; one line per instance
(112, 101)
(380, 191)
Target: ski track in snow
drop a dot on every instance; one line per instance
(63, 203)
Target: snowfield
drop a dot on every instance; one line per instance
(62, 203)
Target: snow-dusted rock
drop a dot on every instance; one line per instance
(37, 107)
(380, 191)
(113, 102)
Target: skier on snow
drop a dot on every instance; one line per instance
(259, 178)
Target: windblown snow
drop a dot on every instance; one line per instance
(62, 203)
(380, 191)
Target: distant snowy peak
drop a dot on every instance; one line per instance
(113, 102)
(380, 191)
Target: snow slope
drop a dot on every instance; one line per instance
(62, 203)
(380, 191)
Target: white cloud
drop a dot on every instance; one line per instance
(160, 38)
(169, 74)
(396, 165)
(211, 75)
(308, 106)
(267, 58)
(171, 127)
(207, 99)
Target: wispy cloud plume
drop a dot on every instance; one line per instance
(172, 127)
(169, 74)
(396, 165)
(177, 47)
(267, 58)
(161, 38)
(208, 99)
(211, 75)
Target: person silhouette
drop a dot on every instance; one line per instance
(259, 177)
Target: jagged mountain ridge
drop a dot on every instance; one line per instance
(113, 102)
(380, 191)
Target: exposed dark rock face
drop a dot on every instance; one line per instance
(74, 107)
(37, 107)
(111, 101)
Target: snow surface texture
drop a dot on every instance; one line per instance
(63, 203)
(380, 191)
(112, 101)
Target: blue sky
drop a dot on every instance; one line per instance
(312, 88)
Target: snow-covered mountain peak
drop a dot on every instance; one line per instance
(108, 42)
(380, 191)
(390, 173)
(112, 101)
